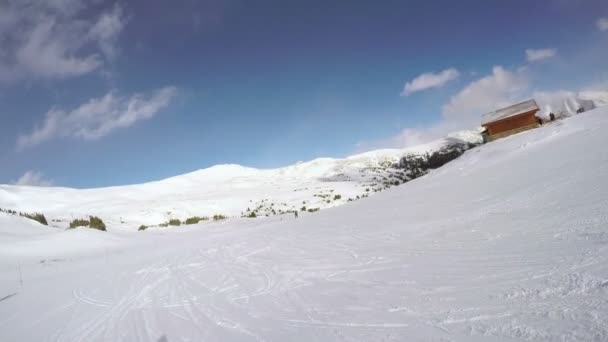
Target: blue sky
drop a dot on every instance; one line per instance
(99, 93)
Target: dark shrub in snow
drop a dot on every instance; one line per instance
(93, 222)
(219, 217)
(36, 217)
(79, 223)
(174, 222)
(97, 223)
(416, 165)
(195, 220)
(445, 155)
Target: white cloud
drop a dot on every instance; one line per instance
(44, 56)
(602, 24)
(501, 88)
(535, 55)
(106, 31)
(405, 138)
(55, 39)
(98, 117)
(430, 80)
(33, 178)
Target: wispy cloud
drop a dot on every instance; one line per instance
(55, 39)
(499, 88)
(429, 80)
(602, 24)
(106, 29)
(535, 55)
(98, 117)
(33, 178)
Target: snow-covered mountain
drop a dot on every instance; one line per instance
(507, 242)
(229, 190)
(235, 191)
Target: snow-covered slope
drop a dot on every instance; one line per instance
(508, 242)
(225, 189)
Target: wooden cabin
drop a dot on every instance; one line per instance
(510, 120)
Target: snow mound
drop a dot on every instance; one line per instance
(567, 103)
(472, 137)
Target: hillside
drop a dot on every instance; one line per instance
(230, 190)
(508, 242)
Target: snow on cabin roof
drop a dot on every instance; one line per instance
(513, 110)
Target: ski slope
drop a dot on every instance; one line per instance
(508, 242)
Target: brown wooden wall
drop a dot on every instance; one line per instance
(511, 123)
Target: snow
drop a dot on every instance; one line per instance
(472, 137)
(223, 189)
(508, 242)
(599, 98)
(566, 103)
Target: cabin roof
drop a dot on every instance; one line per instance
(520, 108)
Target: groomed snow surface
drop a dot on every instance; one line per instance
(508, 242)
